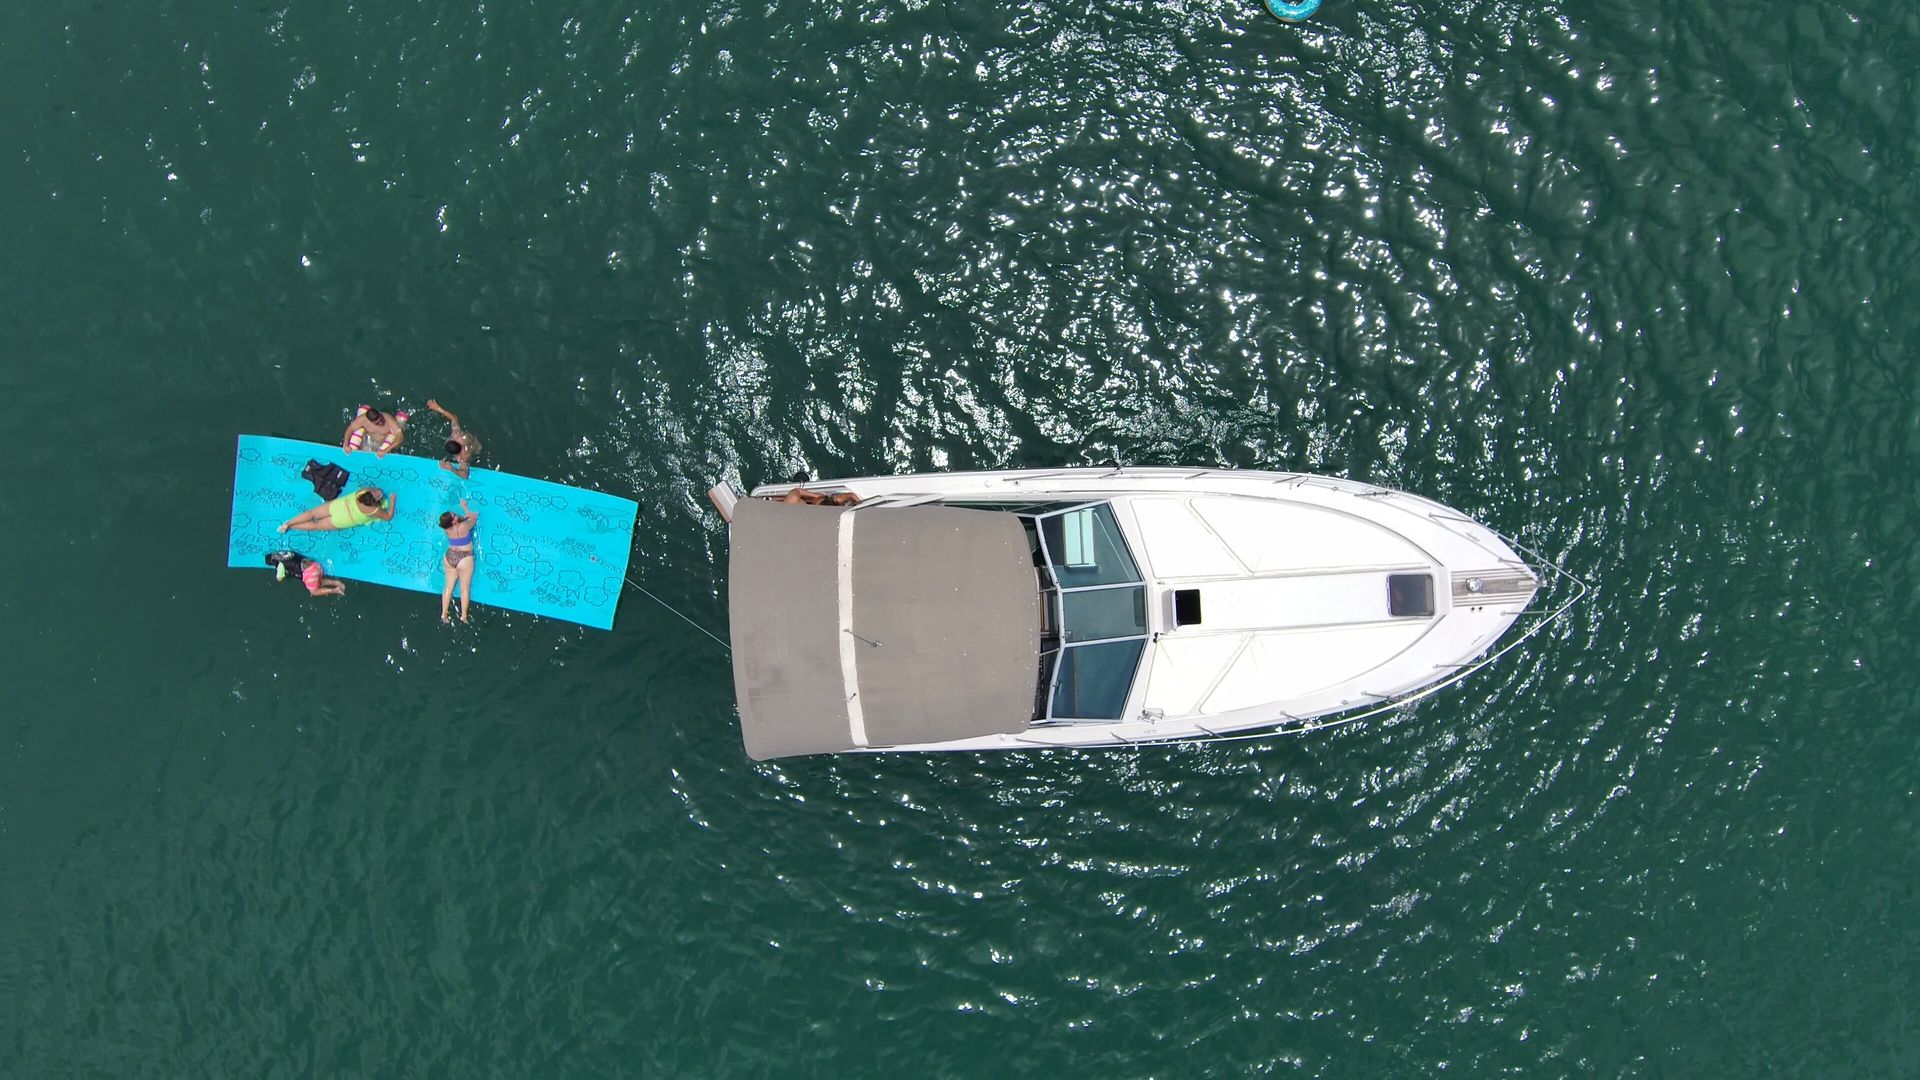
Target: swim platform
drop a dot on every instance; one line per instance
(544, 548)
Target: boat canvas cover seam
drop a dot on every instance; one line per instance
(849, 644)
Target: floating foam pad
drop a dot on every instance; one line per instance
(545, 548)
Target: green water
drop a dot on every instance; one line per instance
(1631, 282)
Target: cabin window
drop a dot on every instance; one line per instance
(1101, 631)
(1086, 548)
(1092, 681)
(1099, 614)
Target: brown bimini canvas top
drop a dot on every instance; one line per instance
(879, 626)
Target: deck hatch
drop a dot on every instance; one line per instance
(1410, 595)
(1186, 607)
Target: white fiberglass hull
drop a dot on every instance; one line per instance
(1292, 572)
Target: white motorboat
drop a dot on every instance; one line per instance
(1043, 608)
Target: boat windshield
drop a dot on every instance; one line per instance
(1092, 681)
(1086, 548)
(1102, 614)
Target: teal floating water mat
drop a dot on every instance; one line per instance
(544, 548)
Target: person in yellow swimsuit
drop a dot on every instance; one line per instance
(363, 507)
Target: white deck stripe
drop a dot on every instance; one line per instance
(849, 657)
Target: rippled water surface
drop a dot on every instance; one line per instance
(1632, 283)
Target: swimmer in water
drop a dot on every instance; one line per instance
(309, 571)
(371, 425)
(458, 563)
(363, 507)
(318, 583)
(461, 445)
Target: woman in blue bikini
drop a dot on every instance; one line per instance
(458, 563)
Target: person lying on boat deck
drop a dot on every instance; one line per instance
(801, 496)
(458, 563)
(362, 507)
(370, 424)
(461, 445)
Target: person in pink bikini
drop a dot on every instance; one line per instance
(310, 573)
(318, 583)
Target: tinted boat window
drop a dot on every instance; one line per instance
(1105, 613)
(1094, 679)
(1086, 548)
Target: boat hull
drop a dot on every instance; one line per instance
(1313, 599)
